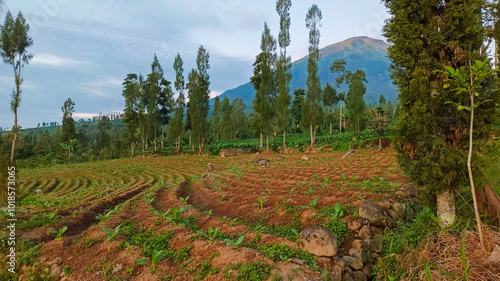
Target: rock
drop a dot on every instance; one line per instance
(297, 261)
(222, 154)
(262, 162)
(359, 276)
(410, 189)
(365, 233)
(336, 273)
(367, 270)
(55, 271)
(57, 261)
(400, 209)
(319, 241)
(358, 253)
(384, 204)
(280, 158)
(118, 268)
(375, 214)
(353, 262)
(349, 154)
(305, 158)
(369, 255)
(206, 176)
(357, 244)
(376, 244)
(210, 167)
(347, 277)
(355, 225)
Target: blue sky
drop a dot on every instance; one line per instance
(84, 49)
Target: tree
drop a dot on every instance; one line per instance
(354, 98)
(144, 100)
(226, 126)
(329, 96)
(217, 117)
(176, 126)
(14, 42)
(103, 139)
(380, 123)
(237, 117)
(131, 93)
(264, 84)
(381, 100)
(284, 74)
(339, 67)
(68, 123)
(199, 97)
(470, 82)
(430, 134)
(296, 109)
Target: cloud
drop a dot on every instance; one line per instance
(53, 60)
(84, 115)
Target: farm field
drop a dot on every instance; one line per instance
(174, 218)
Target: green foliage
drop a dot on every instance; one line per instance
(252, 271)
(39, 220)
(279, 252)
(112, 233)
(156, 257)
(206, 269)
(28, 251)
(261, 203)
(235, 243)
(59, 233)
(212, 234)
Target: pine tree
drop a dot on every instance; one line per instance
(296, 109)
(312, 110)
(264, 84)
(237, 117)
(199, 97)
(431, 136)
(283, 74)
(14, 42)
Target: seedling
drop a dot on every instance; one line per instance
(310, 191)
(261, 203)
(265, 191)
(342, 176)
(236, 243)
(338, 212)
(59, 232)
(112, 234)
(223, 195)
(313, 203)
(141, 261)
(209, 212)
(315, 177)
(155, 259)
(211, 234)
(184, 200)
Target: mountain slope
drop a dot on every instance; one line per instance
(367, 54)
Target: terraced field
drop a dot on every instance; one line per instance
(175, 219)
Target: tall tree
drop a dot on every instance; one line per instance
(14, 42)
(144, 100)
(329, 96)
(237, 117)
(264, 83)
(68, 123)
(103, 139)
(339, 67)
(217, 117)
(354, 98)
(199, 97)
(226, 126)
(296, 109)
(131, 93)
(176, 126)
(283, 74)
(312, 110)
(432, 135)
(381, 100)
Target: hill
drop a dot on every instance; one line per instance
(364, 53)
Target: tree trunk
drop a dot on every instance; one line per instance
(312, 136)
(132, 147)
(330, 128)
(340, 123)
(13, 146)
(469, 168)
(284, 140)
(261, 143)
(446, 208)
(162, 137)
(190, 140)
(178, 143)
(267, 143)
(380, 143)
(155, 138)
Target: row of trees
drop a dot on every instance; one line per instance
(149, 102)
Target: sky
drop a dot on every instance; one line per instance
(83, 50)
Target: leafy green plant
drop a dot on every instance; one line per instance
(222, 196)
(463, 257)
(211, 234)
(155, 259)
(312, 204)
(252, 271)
(235, 243)
(59, 233)
(310, 191)
(342, 176)
(141, 261)
(261, 202)
(112, 234)
(184, 200)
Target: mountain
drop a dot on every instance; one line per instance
(367, 54)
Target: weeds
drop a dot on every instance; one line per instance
(59, 233)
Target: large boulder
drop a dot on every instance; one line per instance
(408, 189)
(375, 214)
(319, 241)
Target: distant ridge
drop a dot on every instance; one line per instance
(367, 54)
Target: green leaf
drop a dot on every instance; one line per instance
(53, 231)
(141, 261)
(446, 85)
(107, 230)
